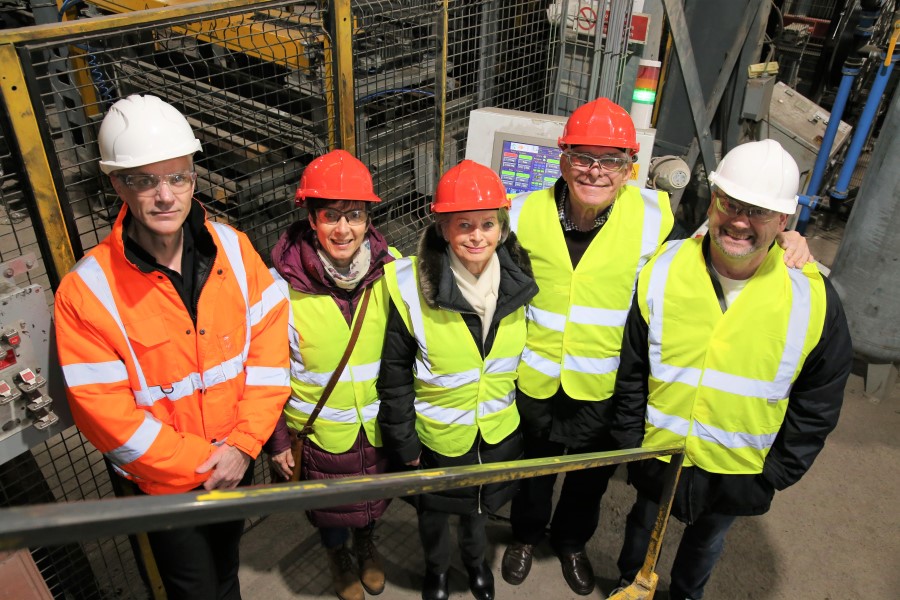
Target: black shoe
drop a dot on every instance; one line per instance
(516, 563)
(481, 581)
(578, 572)
(435, 586)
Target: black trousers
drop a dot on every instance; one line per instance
(434, 531)
(201, 562)
(577, 512)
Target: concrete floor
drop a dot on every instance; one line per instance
(836, 534)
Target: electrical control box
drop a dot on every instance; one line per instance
(29, 412)
(799, 125)
(523, 145)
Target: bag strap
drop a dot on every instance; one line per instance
(336, 375)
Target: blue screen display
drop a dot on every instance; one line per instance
(528, 167)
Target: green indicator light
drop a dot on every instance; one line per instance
(525, 157)
(508, 173)
(553, 161)
(644, 96)
(523, 175)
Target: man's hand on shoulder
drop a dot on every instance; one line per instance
(796, 249)
(228, 465)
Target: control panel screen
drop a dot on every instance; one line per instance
(525, 166)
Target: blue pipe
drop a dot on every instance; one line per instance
(808, 204)
(834, 121)
(862, 129)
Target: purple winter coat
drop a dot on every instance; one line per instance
(296, 260)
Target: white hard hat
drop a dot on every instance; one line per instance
(760, 173)
(140, 130)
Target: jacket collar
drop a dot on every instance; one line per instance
(439, 288)
(296, 260)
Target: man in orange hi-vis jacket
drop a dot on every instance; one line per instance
(173, 341)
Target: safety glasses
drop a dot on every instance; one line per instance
(144, 183)
(732, 208)
(609, 163)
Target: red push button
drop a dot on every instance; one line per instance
(5, 390)
(12, 338)
(27, 376)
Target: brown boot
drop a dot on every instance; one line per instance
(371, 570)
(346, 583)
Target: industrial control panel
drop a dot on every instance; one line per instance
(29, 412)
(799, 125)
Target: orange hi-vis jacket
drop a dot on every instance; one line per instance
(150, 390)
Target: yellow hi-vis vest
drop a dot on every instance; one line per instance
(458, 393)
(319, 335)
(577, 319)
(719, 382)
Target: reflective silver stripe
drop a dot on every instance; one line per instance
(541, 364)
(179, 389)
(591, 366)
(232, 246)
(652, 225)
(443, 414)
(501, 365)
(661, 420)
(370, 411)
(672, 374)
(359, 373)
(139, 442)
(267, 376)
(448, 380)
(270, 298)
(492, 406)
(366, 372)
(545, 318)
(93, 276)
(655, 300)
(409, 293)
(798, 326)
(112, 371)
(346, 415)
(515, 210)
(586, 315)
(224, 371)
(293, 336)
(732, 439)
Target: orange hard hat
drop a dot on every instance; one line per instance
(337, 175)
(600, 123)
(469, 186)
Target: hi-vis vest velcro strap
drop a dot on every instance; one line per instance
(406, 282)
(91, 273)
(774, 390)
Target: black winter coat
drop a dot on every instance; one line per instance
(812, 413)
(397, 415)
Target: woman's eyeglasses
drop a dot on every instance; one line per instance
(332, 216)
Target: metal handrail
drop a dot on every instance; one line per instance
(60, 523)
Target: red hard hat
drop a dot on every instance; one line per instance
(600, 123)
(337, 175)
(469, 186)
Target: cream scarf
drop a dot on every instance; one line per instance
(479, 291)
